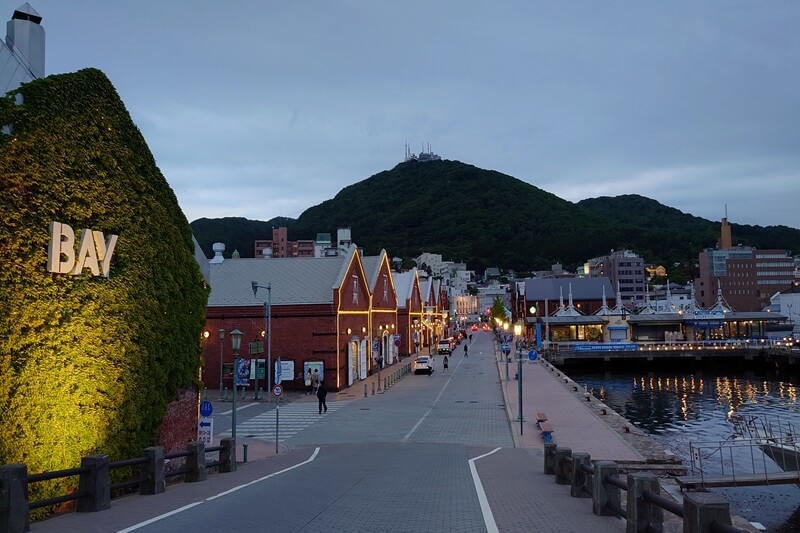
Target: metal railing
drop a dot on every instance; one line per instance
(645, 506)
(94, 489)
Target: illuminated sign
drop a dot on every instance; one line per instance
(94, 251)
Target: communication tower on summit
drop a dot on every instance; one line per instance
(423, 155)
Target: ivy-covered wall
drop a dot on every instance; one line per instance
(89, 364)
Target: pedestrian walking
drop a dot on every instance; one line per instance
(307, 381)
(470, 338)
(466, 350)
(315, 381)
(322, 393)
(445, 362)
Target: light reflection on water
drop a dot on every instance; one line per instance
(676, 408)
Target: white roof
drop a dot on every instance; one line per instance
(372, 266)
(403, 284)
(293, 281)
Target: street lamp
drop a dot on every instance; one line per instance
(518, 332)
(236, 343)
(221, 339)
(267, 332)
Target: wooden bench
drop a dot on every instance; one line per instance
(540, 417)
(547, 431)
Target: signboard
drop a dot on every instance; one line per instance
(277, 390)
(284, 370)
(205, 431)
(505, 348)
(242, 372)
(606, 347)
(256, 347)
(397, 340)
(319, 366)
(258, 368)
(206, 408)
(93, 252)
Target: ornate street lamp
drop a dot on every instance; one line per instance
(236, 343)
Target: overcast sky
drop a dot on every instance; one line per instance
(265, 108)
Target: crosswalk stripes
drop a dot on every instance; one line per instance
(294, 417)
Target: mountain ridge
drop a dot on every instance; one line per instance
(487, 218)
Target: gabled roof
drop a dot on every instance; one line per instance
(372, 267)
(552, 288)
(404, 285)
(425, 286)
(293, 281)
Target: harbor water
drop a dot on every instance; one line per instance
(693, 405)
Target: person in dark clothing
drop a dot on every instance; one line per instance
(322, 392)
(466, 350)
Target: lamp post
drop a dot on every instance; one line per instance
(221, 339)
(518, 332)
(267, 330)
(236, 343)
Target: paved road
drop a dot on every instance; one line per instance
(433, 453)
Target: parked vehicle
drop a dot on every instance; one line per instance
(423, 365)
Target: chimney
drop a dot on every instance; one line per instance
(218, 248)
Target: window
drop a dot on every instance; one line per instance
(355, 289)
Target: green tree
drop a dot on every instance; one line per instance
(498, 310)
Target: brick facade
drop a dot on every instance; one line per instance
(179, 426)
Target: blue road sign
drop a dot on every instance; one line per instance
(206, 408)
(204, 424)
(532, 355)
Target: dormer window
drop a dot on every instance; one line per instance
(355, 289)
(385, 289)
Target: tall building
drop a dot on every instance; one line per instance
(22, 53)
(281, 246)
(747, 276)
(625, 270)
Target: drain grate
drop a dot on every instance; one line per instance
(459, 401)
(249, 436)
(364, 409)
(473, 401)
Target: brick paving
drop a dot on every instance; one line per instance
(401, 456)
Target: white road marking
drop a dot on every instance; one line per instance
(185, 507)
(229, 411)
(488, 517)
(160, 517)
(422, 419)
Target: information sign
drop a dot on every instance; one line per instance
(205, 431)
(532, 355)
(206, 408)
(256, 347)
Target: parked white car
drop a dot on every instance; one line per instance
(423, 365)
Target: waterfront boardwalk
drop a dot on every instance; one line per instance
(576, 423)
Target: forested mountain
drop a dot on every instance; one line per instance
(487, 218)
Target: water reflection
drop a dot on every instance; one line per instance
(677, 408)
